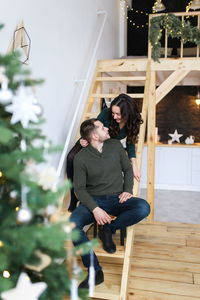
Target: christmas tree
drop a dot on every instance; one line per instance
(32, 232)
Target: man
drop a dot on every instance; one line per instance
(103, 182)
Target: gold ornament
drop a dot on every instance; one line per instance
(45, 261)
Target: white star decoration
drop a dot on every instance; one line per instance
(25, 289)
(175, 136)
(24, 108)
(48, 179)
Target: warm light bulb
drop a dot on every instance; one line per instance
(1, 174)
(6, 274)
(1, 244)
(198, 101)
(158, 6)
(17, 208)
(195, 4)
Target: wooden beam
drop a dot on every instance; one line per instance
(169, 84)
(115, 95)
(127, 263)
(123, 65)
(165, 64)
(130, 235)
(172, 64)
(122, 78)
(140, 144)
(151, 143)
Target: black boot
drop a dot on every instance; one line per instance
(105, 235)
(99, 278)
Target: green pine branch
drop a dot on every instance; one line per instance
(175, 28)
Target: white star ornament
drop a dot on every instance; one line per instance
(25, 289)
(175, 136)
(24, 108)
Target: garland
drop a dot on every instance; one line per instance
(175, 28)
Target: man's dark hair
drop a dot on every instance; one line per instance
(87, 127)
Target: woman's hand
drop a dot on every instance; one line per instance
(83, 143)
(136, 171)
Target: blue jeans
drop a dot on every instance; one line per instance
(128, 213)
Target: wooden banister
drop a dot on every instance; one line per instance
(182, 15)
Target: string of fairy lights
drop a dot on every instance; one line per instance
(124, 4)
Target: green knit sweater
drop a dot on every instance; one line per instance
(101, 174)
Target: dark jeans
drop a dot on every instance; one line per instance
(70, 174)
(128, 213)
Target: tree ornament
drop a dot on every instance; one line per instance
(24, 214)
(13, 194)
(59, 261)
(175, 136)
(91, 280)
(74, 281)
(50, 209)
(48, 179)
(31, 170)
(45, 261)
(25, 289)
(24, 108)
(5, 94)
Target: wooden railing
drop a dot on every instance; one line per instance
(183, 16)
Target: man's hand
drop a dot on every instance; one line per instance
(123, 197)
(101, 216)
(83, 143)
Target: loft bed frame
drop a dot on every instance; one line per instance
(105, 72)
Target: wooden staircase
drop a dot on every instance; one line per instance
(118, 74)
(122, 73)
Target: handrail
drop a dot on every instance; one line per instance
(64, 152)
(178, 14)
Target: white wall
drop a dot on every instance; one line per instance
(62, 33)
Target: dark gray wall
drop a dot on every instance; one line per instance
(178, 110)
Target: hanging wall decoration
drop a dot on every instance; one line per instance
(175, 28)
(21, 40)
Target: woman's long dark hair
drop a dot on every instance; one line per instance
(130, 114)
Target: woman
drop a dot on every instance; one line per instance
(123, 120)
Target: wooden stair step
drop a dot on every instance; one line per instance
(119, 254)
(121, 78)
(110, 288)
(168, 287)
(167, 252)
(138, 95)
(165, 265)
(148, 295)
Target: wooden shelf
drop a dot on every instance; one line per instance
(195, 145)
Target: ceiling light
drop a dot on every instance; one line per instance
(198, 98)
(195, 4)
(158, 6)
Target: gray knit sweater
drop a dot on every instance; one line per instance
(101, 174)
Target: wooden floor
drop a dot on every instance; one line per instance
(165, 263)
